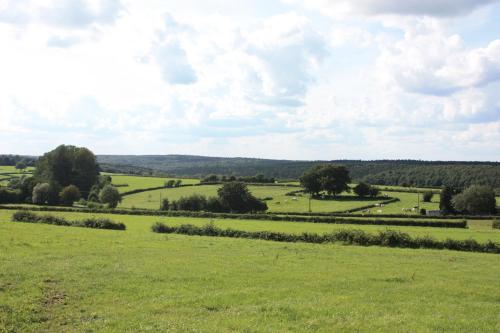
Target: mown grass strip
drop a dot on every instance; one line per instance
(95, 223)
(259, 217)
(386, 238)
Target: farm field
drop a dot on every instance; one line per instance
(407, 200)
(279, 203)
(136, 280)
(283, 203)
(138, 182)
(12, 169)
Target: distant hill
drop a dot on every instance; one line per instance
(383, 172)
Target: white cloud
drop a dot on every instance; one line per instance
(341, 8)
(434, 63)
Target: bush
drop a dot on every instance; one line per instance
(387, 238)
(100, 223)
(96, 223)
(109, 195)
(69, 195)
(496, 224)
(423, 211)
(40, 193)
(475, 200)
(165, 204)
(427, 196)
(8, 196)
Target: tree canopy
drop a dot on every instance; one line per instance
(330, 178)
(68, 165)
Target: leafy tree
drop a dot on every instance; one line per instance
(235, 197)
(68, 165)
(194, 202)
(26, 185)
(165, 204)
(178, 183)
(374, 192)
(69, 194)
(476, 199)
(97, 187)
(40, 193)
(109, 195)
(445, 204)
(170, 183)
(54, 190)
(333, 179)
(310, 182)
(427, 196)
(21, 165)
(214, 205)
(8, 196)
(362, 189)
(210, 179)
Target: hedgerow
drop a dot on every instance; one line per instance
(386, 238)
(96, 223)
(266, 217)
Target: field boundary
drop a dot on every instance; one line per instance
(258, 217)
(385, 238)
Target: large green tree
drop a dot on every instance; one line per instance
(68, 165)
(330, 178)
(236, 198)
(477, 199)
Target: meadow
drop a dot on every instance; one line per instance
(280, 202)
(129, 183)
(136, 280)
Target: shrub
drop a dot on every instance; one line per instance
(165, 204)
(8, 196)
(96, 223)
(40, 193)
(496, 224)
(423, 211)
(475, 200)
(109, 195)
(69, 194)
(100, 223)
(387, 238)
(427, 196)
(362, 190)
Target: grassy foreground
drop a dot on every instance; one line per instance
(80, 280)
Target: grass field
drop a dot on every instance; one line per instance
(12, 169)
(283, 203)
(138, 182)
(71, 279)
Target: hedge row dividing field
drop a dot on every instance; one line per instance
(481, 231)
(387, 238)
(265, 217)
(95, 223)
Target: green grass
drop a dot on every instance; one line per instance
(407, 200)
(138, 182)
(57, 279)
(12, 169)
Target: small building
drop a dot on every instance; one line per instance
(433, 213)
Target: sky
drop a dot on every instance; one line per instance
(287, 79)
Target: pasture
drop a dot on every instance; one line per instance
(127, 183)
(136, 280)
(280, 201)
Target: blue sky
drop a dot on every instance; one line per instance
(292, 79)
